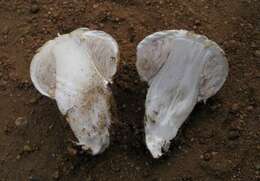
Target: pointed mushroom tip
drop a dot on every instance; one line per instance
(94, 149)
(94, 142)
(156, 155)
(89, 150)
(154, 145)
(154, 152)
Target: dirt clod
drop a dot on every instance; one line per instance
(27, 149)
(257, 166)
(235, 107)
(35, 8)
(206, 156)
(21, 121)
(72, 151)
(56, 175)
(34, 178)
(233, 134)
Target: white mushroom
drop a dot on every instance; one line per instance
(181, 68)
(74, 69)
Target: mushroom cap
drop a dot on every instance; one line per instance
(102, 48)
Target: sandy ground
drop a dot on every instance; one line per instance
(219, 141)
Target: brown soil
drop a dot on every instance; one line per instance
(219, 141)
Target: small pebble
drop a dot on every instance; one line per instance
(250, 108)
(117, 19)
(258, 147)
(18, 157)
(101, 25)
(20, 121)
(253, 45)
(34, 9)
(95, 6)
(27, 148)
(137, 168)
(233, 134)
(206, 156)
(72, 151)
(56, 175)
(235, 107)
(33, 100)
(257, 53)
(5, 30)
(34, 178)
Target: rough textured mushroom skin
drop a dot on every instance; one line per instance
(181, 68)
(74, 69)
